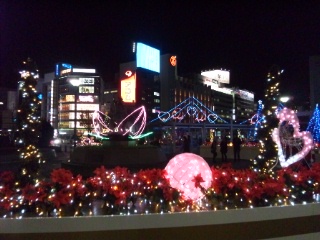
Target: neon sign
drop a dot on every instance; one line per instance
(128, 88)
(86, 80)
(65, 71)
(86, 98)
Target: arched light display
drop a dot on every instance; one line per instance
(184, 172)
(191, 107)
(283, 137)
(132, 125)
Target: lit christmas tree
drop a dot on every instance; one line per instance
(28, 122)
(268, 152)
(314, 125)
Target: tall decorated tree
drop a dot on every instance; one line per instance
(314, 125)
(267, 157)
(28, 122)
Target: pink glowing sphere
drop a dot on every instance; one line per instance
(182, 170)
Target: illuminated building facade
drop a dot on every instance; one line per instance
(244, 105)
(140, 80)
(163, 90)
(79, 92)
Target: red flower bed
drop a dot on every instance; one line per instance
(123, 192)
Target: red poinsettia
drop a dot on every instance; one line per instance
(32, 194)
(61, 176)
(61, 197)
(79, 186)
(7, 199)
(7, 177)
(197, 181)
(100, 172)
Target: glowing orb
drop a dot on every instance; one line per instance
(182, 171)
(290, 116)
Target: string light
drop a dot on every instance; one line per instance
(289, 116)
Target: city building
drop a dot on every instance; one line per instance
(8, 101)
(72, 95)
(163, 92)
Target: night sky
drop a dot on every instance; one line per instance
(245, 37)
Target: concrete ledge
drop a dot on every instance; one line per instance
(257, 223)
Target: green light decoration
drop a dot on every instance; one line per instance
(130, 137)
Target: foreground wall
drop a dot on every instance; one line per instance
(288, 222)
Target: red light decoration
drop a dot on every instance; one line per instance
(185, 172)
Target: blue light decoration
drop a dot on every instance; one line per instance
(191, 107)
(314, 125)
(61, 66)
(256, 121)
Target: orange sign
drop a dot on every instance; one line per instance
(173, 60)
(128, 89)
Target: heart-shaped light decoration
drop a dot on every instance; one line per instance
(201, 116)
(212, 118)
(191, 111)
(289, 115)
(177, 114)
(164, 116)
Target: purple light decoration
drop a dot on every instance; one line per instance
(289, 115)
(97, 120)
(142, 117)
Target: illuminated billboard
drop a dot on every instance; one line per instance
(148, 57)
(86, 89)
(128, 89)
(245, 94)
(63, 68)
(222, 76)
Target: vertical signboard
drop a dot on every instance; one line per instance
(128, 88)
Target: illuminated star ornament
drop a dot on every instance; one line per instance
(189, 173)
(288, 136)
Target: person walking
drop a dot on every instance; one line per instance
(236, 148)
(185, 144)
(224, 148)
(214, 149)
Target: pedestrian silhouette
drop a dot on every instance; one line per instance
(236, 148)
(185, 144)
(214, 149)
(224, 148)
